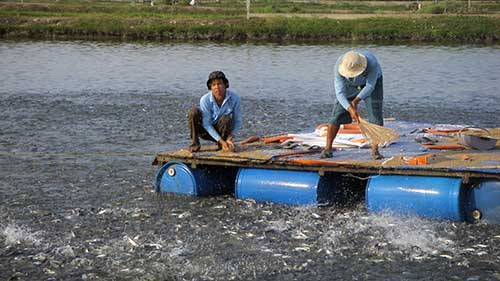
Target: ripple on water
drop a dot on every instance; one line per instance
(88, 215)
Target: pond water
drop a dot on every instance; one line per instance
(80, 123)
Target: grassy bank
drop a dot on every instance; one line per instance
(166, 22)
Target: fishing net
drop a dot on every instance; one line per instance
(377, 134)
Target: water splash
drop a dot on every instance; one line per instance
(387, 235)
(413, 233)
(15, 235)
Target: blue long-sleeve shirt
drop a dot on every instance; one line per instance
(212, 112)
(347, 88)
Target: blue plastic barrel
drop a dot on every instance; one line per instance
(282, 186)
(432, 197)
(177, 177)
(485, 199)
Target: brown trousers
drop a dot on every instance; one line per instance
(224, 126)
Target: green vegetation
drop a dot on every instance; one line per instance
(459, 7)
(226, 21)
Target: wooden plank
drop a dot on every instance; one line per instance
(343, 168)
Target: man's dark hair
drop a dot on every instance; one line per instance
(217, 75)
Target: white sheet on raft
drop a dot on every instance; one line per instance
(318, 137)
(342, 140)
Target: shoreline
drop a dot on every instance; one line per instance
(26, 22)
(260, 32)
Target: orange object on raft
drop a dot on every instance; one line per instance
(352, 128)
(280, 138)
(444, 146)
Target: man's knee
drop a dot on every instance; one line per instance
(226, 119)
(194, 112)
(339, 115)
(225, 126)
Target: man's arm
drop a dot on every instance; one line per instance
(206, 111)
(340, 89)
(371, 80)
(236, 116)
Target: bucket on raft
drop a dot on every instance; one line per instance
(295, 187)
(177, 177)
(432, 197)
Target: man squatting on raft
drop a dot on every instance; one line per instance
(358, 76)
(218, 118)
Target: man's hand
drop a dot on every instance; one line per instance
(227, 146)
(353, 109)
(355, 102)
(354, 113)
(230, 143)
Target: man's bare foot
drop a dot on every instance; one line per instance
(376, 155)
(327, 153)
(194, 148)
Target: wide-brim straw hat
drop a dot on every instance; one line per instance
(352, 64)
